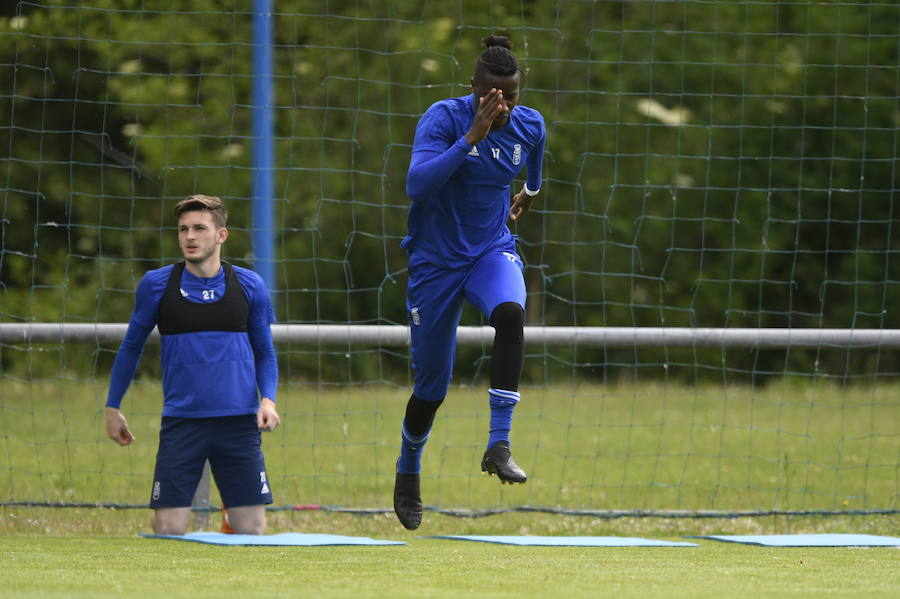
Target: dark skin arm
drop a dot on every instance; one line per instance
(521, 205)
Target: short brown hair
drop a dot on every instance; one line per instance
(200, 202)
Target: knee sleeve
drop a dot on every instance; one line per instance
(420, 415)
(508, 319)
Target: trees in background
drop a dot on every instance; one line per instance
(708, 164)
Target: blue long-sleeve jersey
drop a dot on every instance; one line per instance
(209, 373)
(461, 193)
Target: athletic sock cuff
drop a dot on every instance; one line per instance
(412, 438)
(504, 397)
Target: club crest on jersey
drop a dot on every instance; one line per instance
(517, 153)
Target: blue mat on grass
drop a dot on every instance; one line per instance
(817, 540)
(568, 541)
(279, 540)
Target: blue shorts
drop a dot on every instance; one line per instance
(434, 305)
(232, 446)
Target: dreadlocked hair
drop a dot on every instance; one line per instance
(497, 59)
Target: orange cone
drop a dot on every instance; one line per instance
(226, 525)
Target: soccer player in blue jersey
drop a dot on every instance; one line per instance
(219, 374)
(465, 155)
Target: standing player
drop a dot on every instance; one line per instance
(219, 374)
(466, 153)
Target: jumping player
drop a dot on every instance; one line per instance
(219, 374)
(465, 155)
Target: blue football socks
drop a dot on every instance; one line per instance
(410, 461)
(502, 405)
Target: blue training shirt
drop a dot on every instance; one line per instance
(249, 358)
(460, 193)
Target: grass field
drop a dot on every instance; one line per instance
(640, 447)
(787, 447)
(67, 562)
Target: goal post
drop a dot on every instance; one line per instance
(398, 335)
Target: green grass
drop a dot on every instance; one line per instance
(642, 447)
(68, 552)
(74, 566)
(639, 447)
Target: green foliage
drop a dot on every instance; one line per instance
(708, 163)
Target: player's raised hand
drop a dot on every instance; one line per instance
(117, 427)
(267, 418)
(489, 108)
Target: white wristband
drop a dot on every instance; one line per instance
(529, 192)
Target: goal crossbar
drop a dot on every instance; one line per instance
(398, 335)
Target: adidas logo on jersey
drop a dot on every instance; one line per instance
(495, 152)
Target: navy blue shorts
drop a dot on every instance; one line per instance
(232, 444)
(434, 301)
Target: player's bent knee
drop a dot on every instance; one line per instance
(168, 527)
(508, 319)
(253, 525)
(170, 521)
(248, 520)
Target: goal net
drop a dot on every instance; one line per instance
(714, 170)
